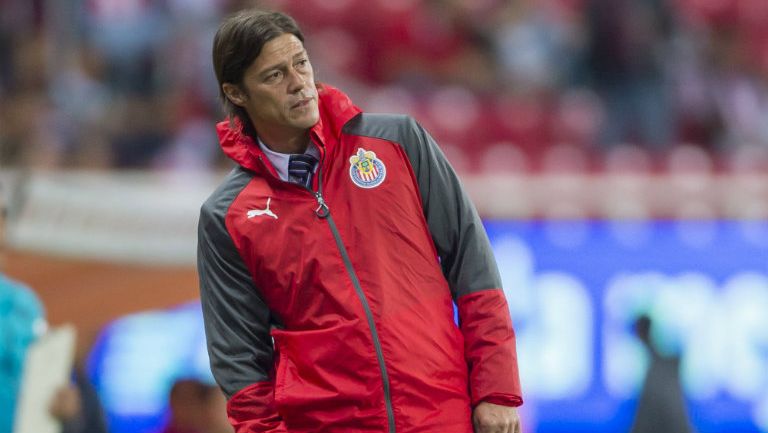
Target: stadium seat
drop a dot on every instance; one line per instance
(454, 110)
(344, 55)
(689, 159)
(503, 158)
(457, 157)
(748, 159)
(578, 118)
(565, 158)
(391, 99)
(626, 158)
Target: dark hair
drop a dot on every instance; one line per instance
(237, 43)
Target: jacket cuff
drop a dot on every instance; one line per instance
(252, 410)
(489, 348)
(503, 400)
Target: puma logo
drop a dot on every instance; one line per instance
(259, 212)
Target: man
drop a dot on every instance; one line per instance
(661, 404)
(346, 238)
(187, 403)
(22, 322)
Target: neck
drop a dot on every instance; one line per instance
(286, 143)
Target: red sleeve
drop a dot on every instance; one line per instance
(252, 410)
(489, 347)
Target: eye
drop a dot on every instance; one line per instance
(273, 77)
(301, 64)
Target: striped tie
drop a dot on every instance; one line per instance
(300, 169)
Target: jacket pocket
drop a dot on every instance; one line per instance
(326, 375)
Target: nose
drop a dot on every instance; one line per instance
(296, 82)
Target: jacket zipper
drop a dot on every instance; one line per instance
(324, 212)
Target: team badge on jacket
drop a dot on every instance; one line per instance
(366, 170)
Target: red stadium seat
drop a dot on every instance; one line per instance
(454, 110)
(689, 159)
(342, 58)
(579, 116)
(503, 158)
(748, 159)
(565, 158)
(524, 120)
(627, 158)
(457, 157)
(391, 99)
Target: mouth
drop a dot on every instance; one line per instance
(302, 103)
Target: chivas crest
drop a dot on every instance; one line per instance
(366, 170)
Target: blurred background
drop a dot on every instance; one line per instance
(617, 149)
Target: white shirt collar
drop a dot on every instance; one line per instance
(280, 160)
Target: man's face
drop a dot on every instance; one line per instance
(279, 91)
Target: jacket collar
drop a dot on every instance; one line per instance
(335, 107)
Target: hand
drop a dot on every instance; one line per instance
(492, 418)
(66, 403)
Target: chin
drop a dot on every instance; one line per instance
(308, 121)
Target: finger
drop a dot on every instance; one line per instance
(510, 427)
(483, 428)
(499, 425)
(486, 428)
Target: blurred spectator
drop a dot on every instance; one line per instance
(82, 100)
(190, 147)
(126, 83)
(727, 95)
(189, 86)
(537, 42)
(80, 406)
(196, 407)
(216, 412)
(627, 49)
(25, 107)
(661, 407)
(438, 43)
(187, 407)
(21, 323)
(139, 128)
(127, 34)
(18, 22)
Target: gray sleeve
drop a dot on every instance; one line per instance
(237, 321)
(457, 231)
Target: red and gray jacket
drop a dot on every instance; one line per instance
(332, 309)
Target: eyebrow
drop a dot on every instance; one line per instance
(280, 65)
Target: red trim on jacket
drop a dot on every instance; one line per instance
(252, 410)
(490, 348)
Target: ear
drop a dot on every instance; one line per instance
(234, 94)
